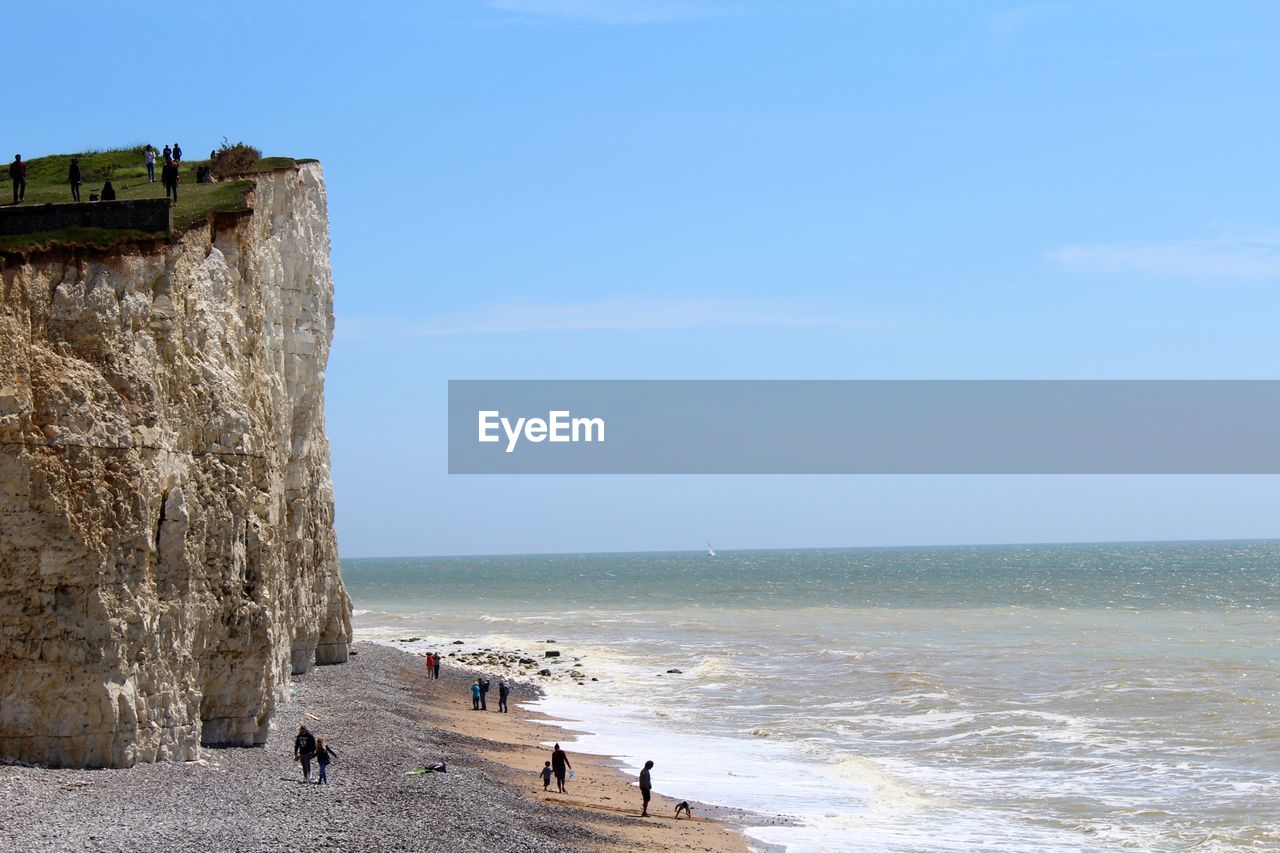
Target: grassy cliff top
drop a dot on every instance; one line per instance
(127, 171)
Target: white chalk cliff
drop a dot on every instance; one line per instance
(167, 552)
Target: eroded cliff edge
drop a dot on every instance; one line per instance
(167, 552)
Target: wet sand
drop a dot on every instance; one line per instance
(599, 794)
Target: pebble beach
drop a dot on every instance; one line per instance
(383, 718)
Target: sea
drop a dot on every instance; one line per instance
(1019, 697)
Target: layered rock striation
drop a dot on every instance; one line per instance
(167, 552)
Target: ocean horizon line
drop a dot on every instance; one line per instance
(821, 548)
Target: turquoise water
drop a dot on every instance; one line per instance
(1015, 697)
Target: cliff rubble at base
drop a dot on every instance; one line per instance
(167, 552)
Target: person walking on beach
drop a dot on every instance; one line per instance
(149, 157)
(169, 177)
(431, 662)
(73, 178)
(475, 696)
(546, 776)
(323, 756)
(18, 174)
(504, 690)
(646, 788)
(304, 749)
(559, 765)
(435, 670)
(484, 693)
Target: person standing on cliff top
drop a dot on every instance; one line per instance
(169, 177)
(177, 153)
(18, 174)
(149, 156)
(73, 178)
(646, 788)
(304, 749)
(559, 764)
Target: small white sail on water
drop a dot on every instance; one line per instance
(711, 552)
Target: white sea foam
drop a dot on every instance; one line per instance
(844, 804)
(983, 721)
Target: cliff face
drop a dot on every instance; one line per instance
(167, 553)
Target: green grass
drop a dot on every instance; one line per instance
(270, 164)
(126, 168)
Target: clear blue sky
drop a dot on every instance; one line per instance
(730, 189)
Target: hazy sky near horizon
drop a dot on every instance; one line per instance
(752, 189)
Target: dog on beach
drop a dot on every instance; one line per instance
(684, 807)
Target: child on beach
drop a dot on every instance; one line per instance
(546, 776)
(323, 756)
(475, 696)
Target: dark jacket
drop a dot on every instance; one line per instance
(73, 174)
(17, 170)
(304, 744)
(108, 192)
(169, 175)
(325, 755)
